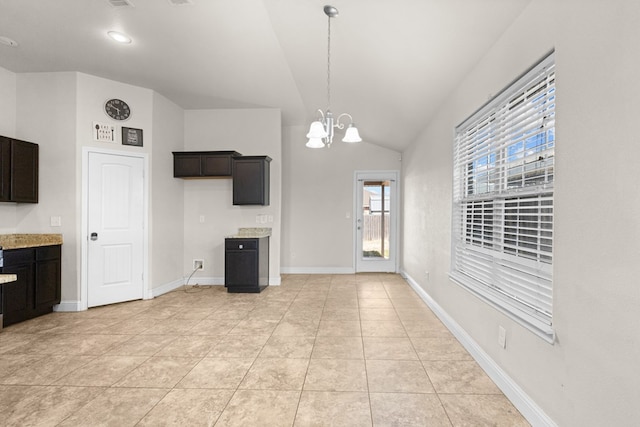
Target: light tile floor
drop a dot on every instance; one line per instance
(319, 350)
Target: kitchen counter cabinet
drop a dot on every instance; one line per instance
(203, 164)
(18, 171)
(246, 266)
(251, 180)
(38, 285)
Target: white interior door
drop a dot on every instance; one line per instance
(115, 232)
(376, 221)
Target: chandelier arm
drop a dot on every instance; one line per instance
(341, 125)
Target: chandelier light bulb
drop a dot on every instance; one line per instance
(317, 130)
(352, 135)
(315, 143)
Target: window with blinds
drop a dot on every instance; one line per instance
(502, 233)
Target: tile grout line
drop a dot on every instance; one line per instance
(425, 369)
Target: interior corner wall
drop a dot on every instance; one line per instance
(247, 131)
(318, 201)
(167, 195)
(589, 376)
(7, 102)
(92, 92)
(45, 114)
(8, 90)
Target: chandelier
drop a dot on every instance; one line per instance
(321, 131)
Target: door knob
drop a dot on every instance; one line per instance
(94, 236)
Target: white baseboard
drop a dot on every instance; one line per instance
(201, 281)
(317, 270)
(71, 306)
(527, 407)
(275, 281)
(65, 306)
(163, 289)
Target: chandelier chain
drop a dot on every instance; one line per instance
(321, 131)
(329, 64)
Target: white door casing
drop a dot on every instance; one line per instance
(114, 227)
(383, 256)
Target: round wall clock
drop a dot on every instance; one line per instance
(117, 109)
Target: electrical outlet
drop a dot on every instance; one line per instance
(198, 264)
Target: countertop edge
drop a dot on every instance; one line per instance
(8, 278)
(23, 241)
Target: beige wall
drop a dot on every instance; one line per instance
(318, 194)
(247, 131)
(7, 128)
(589, 377)
(46, 115)
(166, 234)
(56, 110)
(8, 104)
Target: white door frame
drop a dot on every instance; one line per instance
(84, 273)
(395, 203)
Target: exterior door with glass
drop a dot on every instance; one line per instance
(376, 221)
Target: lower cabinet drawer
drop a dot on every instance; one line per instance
(239, 244)
(48, 252)
(19, 256)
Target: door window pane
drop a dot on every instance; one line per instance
(376, 218)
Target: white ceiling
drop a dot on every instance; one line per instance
(392, 62)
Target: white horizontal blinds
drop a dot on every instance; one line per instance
(503, 197)
(528, 227)
(478, 223)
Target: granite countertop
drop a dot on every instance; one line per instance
(251, 232)
(20, 241)
(6, 278)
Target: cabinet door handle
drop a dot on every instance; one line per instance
(94, 236)
(240, 246)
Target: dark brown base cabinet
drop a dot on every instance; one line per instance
(37, 289)
(246, 264)
(18, 171)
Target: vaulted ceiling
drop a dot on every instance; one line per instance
(392, 62)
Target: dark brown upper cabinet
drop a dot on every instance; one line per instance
(251, 180)
(202, 164)
(18, 171)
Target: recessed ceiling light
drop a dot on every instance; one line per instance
(119, 37)
(7, 41)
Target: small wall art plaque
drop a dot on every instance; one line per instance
(132, 136)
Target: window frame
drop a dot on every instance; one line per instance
(502, 204)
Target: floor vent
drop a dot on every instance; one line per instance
(121, 3)
(180, 2)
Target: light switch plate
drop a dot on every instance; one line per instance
(103, 132)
